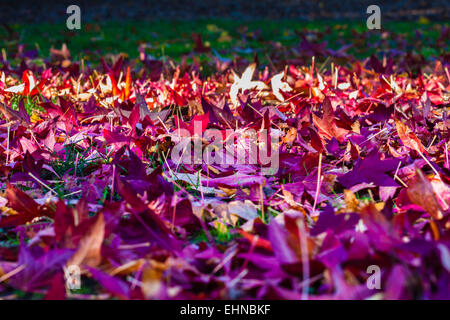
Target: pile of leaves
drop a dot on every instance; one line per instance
(363, 180)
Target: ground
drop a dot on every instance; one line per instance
(90, 184)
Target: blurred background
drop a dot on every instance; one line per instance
(98, 10)
(273, 32)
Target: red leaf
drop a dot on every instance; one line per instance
(26, 207)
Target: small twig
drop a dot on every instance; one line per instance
(112, 182)
(42, 183)
(12, 273)
(290, 98)
(319, 180)
(429, 163)
(163, 125)
(7, 144)
(398, 178)
(225, 260)
(134, 246)
(238, 278)
(305, 259)
(72, 193)
(174, 211)
(431, 143)
(374, 135)
(285, 199)
(76, 165)
(262, 201)
(446, 154)
(448, 75)
(336, 77)
(122, 267)
(312, 76)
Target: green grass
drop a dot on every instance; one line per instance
(30, 103)
(227, 37)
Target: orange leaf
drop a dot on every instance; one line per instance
(260, 243)
(327, 125)
(291, 135)
(421, 193)
(127, 90)
(115, 89)
(408, 137)
(88, 252)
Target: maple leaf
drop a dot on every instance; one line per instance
(89, 248)
(420, 192)
(244, 83)
(26, 207)
(371, 170)
(12, 115)
(327, 124)
(408, 137)
(278, 86)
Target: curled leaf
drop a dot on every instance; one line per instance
(420, 192)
